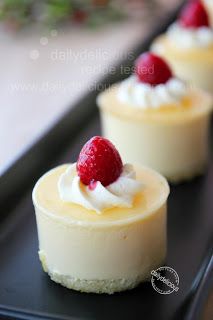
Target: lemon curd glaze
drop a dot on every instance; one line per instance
(163, 44)
(194, 104)
(47, 196)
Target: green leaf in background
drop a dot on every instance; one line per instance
(92, 13)
(17, 11)
(56, 11)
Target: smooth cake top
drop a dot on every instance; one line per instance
(196, 104)
(152, 196)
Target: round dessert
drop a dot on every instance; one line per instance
(158, 120)
(188, 46)
(101, 224)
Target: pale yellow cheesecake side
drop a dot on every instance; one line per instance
(172, 140)
(102, 253)
(194, 65)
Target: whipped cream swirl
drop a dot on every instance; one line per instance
(189, 38)
(118, 194)
(145, 96)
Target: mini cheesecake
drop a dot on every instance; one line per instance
(102, 251)
(188, 46)
(164, 126)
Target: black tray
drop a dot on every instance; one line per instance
(26, 292)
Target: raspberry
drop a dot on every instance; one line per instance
(100, 161)
(194, 15)
(152, 69)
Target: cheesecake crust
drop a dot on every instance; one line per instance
(108, 286)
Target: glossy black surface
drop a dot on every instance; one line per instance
(24, 286)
